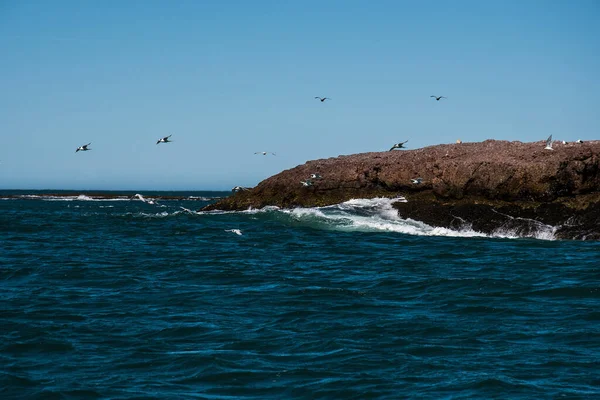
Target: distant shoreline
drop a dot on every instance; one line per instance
(108, 194)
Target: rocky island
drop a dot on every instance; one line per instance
(484, 186)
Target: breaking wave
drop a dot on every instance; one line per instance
(370, 215)
(376, 215)
(355, 215)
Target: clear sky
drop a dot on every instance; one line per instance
(229, 78)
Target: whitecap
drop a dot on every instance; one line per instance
(378, 215)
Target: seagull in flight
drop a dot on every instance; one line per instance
(144, 200)
(438, 98)
(164, 140)
(398, 145)
(322, 99)
(236, 231)
(549, 143)
(417, 181)
(264, 153)
(315, 176)
(306, 183)
(83, 148)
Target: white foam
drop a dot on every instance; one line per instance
(155, 215)
(371, 215)
(362, 215)
(265, 209)
(544, 232)
(80, 197)
(203, 198)
(379, 215)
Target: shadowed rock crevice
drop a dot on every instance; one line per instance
(489, 186)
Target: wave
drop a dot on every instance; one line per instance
(355, 215)
(101, 197)
(80, 197)
(371, 215)
(377, 215)
(204, 198)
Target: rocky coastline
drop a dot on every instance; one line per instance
(485, 186)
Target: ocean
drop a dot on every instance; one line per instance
(112, 296)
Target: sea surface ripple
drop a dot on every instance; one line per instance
(122, 299)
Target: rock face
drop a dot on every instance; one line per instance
(487, 186)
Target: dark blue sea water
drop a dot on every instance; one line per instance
(123, 299)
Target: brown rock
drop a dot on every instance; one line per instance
(486, 185)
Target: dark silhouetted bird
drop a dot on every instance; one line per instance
(398, 145)
(164, 140)
(83, 148)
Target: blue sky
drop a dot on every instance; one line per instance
(229, 78)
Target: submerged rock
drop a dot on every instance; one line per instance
(488, 186)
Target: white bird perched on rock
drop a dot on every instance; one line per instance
(417, 181)
(565, 142)
(264, 153)
(579, 141)
(549, 143)
(83, 148)
(164, 140)
(238, 189)
(398, 145)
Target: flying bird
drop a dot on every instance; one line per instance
(236, 231)
(306, 182)
(264, 153)
(438, 98)
(417, 181)
(164, 140)
(398, 145)
(549, 143)
(143, 199)
(315, 176)
(83, 148)
(322, 98)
